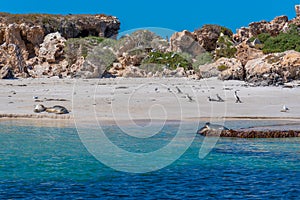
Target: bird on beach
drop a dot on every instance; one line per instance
(211, 128)
(156, 90)
(211, 99)
(238, 100)
(284, 109)
(219, 98)
(189, 97)
(178, 90)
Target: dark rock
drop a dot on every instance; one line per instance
(6, 73)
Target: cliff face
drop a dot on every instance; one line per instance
(21, 36)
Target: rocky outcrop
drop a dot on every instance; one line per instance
(51, 50)
(253, 134)
(224, 68)
(233, 71)
(38, 39)
(69, 26)
(274, 69)
(208, 36)
(273, 27)
(245, 53)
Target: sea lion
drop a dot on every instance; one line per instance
(39, 108)
(213, 128)
(55, 109)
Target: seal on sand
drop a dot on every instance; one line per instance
(39, 108)
(55, 109)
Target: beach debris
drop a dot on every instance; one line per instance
(57, 109)
(237, 98)
(156, 90)
(285, 109)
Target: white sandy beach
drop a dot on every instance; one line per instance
(135, 99)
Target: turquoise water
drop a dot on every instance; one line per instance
(52, 163)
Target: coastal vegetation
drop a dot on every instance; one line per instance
(76, 47)
(170, 60)
(225, 47)
(289, 40)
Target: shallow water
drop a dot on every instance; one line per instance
(43, 162)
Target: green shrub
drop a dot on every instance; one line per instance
(263, 37)
(202, 59)
(225, 47)
(284, 41)
(170, 59)
(222, 68)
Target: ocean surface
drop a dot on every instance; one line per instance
(53, 163)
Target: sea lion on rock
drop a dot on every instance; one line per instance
(211, 128)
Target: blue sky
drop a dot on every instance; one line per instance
(175, 15)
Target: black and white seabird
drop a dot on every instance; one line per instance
(284, 109)
(219, 98)
(189, 97)
(178, 90)
(237, 98)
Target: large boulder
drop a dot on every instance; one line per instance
(208, 36)
(274, 69)
(185, 42)
(290, 66)
(233, 70)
